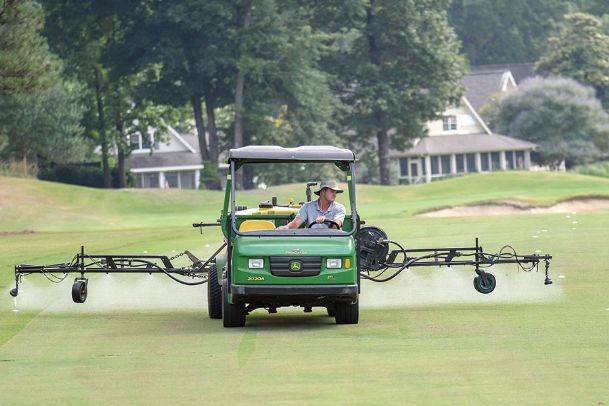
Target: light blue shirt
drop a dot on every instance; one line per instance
(310, 211)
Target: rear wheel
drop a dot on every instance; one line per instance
(346, 313)
(233, 315)
(331, 311)
(214, 294)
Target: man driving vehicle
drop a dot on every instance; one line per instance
(324, 212)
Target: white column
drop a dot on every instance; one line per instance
(478, 162)
(453, 164)
(427, 169)
(197, 178)
(502, 160)
(161, 180)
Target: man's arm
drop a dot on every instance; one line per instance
(292, 224)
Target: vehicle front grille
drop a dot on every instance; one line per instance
(309, 266)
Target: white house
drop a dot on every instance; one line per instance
(460, 141)
(175, 163)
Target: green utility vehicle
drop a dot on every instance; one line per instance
(261, 266)
(264, 267)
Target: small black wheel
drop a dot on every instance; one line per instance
(233, 315)
(214, 294)
(483, 286)
(14, 292)
(346, 312)
(79, 291)
(331, 311)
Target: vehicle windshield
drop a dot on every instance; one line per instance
(275, 194)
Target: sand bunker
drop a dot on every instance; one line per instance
(504, 208)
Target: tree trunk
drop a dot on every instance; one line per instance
(120, 143)
(382, 136)
(195, 101)
(244, 23)
(102, 129)
(383, 153)
(212, 131)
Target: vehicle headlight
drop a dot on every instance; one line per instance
(333, 263)
(255, 263)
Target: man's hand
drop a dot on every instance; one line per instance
(282, 228)
(320, 219)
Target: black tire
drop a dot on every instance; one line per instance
(485, 287)
(346, 313)
(214, 294)
(79, 291)
(331, 311)
(233, 315)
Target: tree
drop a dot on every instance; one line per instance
(560, 115)
(287, 98)
(45, 124)
(192, 44)
(496, 32)
(40, 112)
(579, 50)
(397, 66)
(26, 64)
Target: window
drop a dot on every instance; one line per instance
(495, 161)
(445, 160)
(138, 141)
(403, 167)
(187, 180)
(435, 165)
(145, 142)
(449, 123)
(134, 140)
(484, 158)
(520, 159)
(470, 159)
(460, 163)
(150, 180)
(171, 180)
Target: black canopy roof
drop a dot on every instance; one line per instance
(274, 153)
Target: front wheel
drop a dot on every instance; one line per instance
(233, 315)
(346, 312)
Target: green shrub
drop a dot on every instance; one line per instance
(595, 169)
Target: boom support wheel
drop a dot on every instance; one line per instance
(346, 312)
(485, 282)
(214, 294)
(233, 315)
(79, 291)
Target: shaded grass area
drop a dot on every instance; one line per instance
(507, 353)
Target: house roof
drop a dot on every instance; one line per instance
(481, 86)
(274, 153)
(165, 159)
(466, 143)
(520, 71)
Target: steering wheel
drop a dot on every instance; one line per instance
(329, 223)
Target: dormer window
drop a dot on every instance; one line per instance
(139, 142)
(449, 123)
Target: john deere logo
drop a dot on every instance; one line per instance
(295, 266)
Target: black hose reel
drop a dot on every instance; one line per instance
(373, 248)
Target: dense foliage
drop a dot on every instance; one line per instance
(560, 115)
(363, 74)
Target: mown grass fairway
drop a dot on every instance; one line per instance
(545, 345)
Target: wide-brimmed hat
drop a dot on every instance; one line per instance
(330, 184)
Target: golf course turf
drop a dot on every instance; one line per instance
(425, 338)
